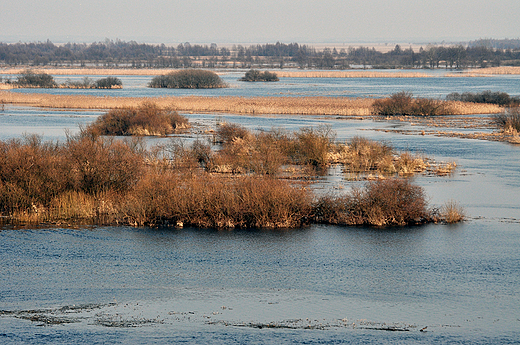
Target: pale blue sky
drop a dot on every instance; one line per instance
(258, 21)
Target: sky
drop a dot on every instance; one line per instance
(258, 21)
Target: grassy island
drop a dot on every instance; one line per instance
(256, 180)
(188, 79)
(256, 75)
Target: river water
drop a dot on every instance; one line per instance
(318, 285)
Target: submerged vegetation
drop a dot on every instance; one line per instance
(146, 119)
(403, 103)
(188, 79)
(249, 182)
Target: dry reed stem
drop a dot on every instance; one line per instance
(349, 74)
(339, 106)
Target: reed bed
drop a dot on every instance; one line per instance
(237, 105)
(493, 70)
(469, 108)
(349, 74)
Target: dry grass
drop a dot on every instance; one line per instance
(451, 212)
(237, 105)
(493, 70)
(349, 74)
(4, 86)
(467, 108)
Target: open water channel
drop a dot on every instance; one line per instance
(456, 284)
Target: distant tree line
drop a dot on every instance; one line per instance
(483, 53)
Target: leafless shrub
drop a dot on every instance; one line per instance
(403, 103)
(147, 119)
(379, 203)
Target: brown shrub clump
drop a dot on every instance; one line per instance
(203, 200)
(380, 203)
(403, 103)
(37, 176)
(146, 119)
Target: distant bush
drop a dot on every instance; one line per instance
(108, 83)
(509, 120)
(29, 79)
(147, 119)
(403, 103)
(255, 75)
(499, 98)
(188, 79)
(85, 83)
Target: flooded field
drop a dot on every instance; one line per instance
(447, 284)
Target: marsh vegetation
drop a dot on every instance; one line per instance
(509, 120)
(188, 79)
(31, 79)
(146, 119)
(249, 182)
(403, 103)
(256, 75)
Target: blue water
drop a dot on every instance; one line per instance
(437, 86)
(317, 285)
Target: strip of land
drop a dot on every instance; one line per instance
(280, 73)
(332, 106)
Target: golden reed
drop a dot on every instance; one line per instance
(349, 74)
(339, 106)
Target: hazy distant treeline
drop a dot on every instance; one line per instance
(185, 55)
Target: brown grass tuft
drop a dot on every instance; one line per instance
(451, 212)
